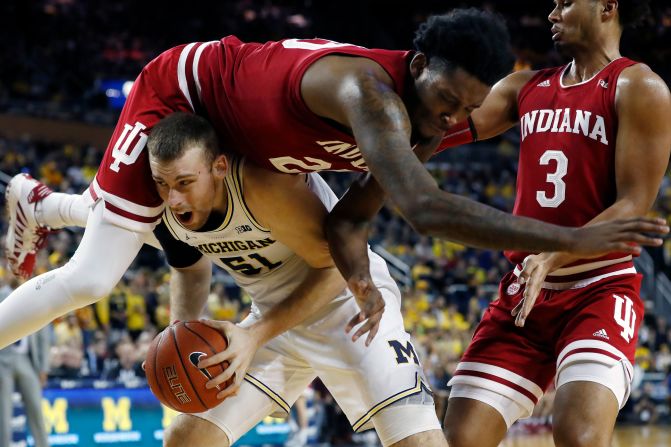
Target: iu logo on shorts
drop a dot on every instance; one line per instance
(122, 153)
(625, 316)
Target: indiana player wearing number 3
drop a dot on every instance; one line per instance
(595, 143)
(291, 106)
(266, 230)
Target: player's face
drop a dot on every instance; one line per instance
(445, 97)
(191, 186)
(574, 23)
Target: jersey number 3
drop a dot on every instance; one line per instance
(555, 178)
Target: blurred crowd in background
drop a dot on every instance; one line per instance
(61, 67)
(57, 69)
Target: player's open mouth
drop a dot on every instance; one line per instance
(185, 218)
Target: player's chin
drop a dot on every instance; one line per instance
(428, 132)
(194, 220)
(562, 47)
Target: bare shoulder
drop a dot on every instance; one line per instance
(262, 182)
(518, 79)
(266, 191)
(334, 69)
(510, 86)
(640, 82)
(331, 80)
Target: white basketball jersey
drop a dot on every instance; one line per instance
(265, 268)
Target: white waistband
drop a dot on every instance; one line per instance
(578, 284)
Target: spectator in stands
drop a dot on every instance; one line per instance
(96, 357)
(128, 369)
(645, 409)
(23, 367)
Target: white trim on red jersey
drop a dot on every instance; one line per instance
(589, 266)
(580, 283)
(181, 73)
(196, 60)
(592, 351)
(499, 380)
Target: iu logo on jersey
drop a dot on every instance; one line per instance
(625, 316)
(122, 151)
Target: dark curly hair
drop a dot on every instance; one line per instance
(633, 12)
(174, 134)
(475, 40)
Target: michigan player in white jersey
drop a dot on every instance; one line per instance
(265, 229)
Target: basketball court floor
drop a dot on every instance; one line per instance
(646, 436)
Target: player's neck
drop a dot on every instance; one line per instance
(586, 64)
(221, 198)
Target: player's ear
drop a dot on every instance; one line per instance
(418, 64)
(609, 9)
(220, 166)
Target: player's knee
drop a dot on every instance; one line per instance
(187, 430)
(179, 434)
(85, 286)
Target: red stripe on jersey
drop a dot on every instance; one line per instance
(93, 193)
(592, 350)
(500, 380)
(131, 216)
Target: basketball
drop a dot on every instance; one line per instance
(171, 366)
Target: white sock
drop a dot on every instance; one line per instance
(100, 261)
(58, 210)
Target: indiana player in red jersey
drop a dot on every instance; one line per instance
(595, 143)
(293, 106)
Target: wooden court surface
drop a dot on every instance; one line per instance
(647, 436)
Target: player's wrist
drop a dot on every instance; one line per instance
(555, 260)
(569, 239)
(261, 333)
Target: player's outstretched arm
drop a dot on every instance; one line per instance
(381, 126)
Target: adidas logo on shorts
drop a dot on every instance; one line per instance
(601, 333)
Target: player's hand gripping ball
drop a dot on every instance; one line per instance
(172, 366)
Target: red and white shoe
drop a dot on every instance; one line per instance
(25, 236)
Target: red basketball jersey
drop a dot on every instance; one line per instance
(251, 94)
(566, 173)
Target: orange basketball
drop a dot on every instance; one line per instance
(171, 366)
